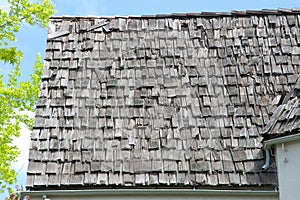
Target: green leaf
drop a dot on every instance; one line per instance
(10, 55)
(16, 96)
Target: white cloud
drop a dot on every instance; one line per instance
(22, 143)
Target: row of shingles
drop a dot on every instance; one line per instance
(249, 158)
(270, 73)
(183, 121)
(266, 72)
(286, 121)
(197, 164)
(50, 139)
(85, 142)
(83, 121)
(149, 161)
(202, 168)
(213, 101)
(111, 164)
(79, 125)
(238, 128)
(135, 101)
(245, 156)
(83, 164)
(46, 132)
(165, 153)
(289, 46)
(241, 148)
(201, 143)
(66, 62)
(284, 44)
(131, 101)
(75, 112)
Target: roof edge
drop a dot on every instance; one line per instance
(278, 11)
(150, 192)
(283, 139)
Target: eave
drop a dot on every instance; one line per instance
(284, 139)
(150, 192)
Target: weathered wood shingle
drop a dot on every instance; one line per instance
(285, 119)
(162, 100)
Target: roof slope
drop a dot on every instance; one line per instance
(161, 100)
(286, 118)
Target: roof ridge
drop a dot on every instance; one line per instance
(198, 14)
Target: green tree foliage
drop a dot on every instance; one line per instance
(17, 97)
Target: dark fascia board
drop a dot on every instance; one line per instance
(151, 192)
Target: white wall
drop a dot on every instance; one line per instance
(288, 167)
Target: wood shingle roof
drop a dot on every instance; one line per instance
(285, 120)
(166, 100)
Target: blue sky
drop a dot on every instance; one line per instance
(33, 39)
